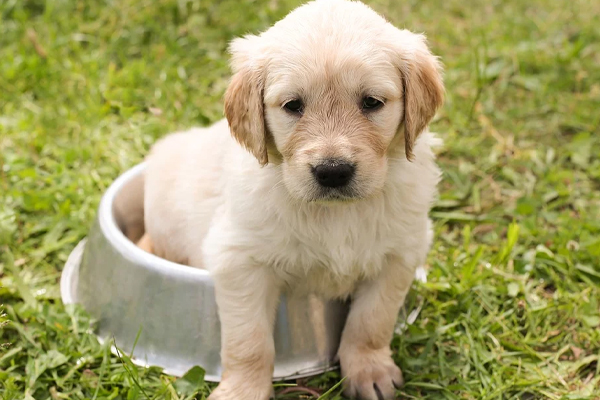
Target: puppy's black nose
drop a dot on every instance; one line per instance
(333, 174)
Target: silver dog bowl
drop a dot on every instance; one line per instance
(165, 314)
(171, 306)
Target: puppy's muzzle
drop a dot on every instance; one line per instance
(333, 173)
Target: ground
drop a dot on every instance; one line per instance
(511, 307)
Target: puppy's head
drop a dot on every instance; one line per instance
(331, 93)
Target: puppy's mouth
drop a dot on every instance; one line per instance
(335, 195)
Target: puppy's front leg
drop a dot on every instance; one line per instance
(364, 352)
(247, 298)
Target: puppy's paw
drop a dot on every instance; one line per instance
(238, 389)
(370, 375)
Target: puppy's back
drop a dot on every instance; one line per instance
(182, 189)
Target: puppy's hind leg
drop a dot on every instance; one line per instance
(145, 243)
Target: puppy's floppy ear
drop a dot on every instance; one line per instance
(423, 85)
(244, 107)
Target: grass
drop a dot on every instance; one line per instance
(512, 306)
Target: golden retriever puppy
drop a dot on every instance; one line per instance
(320, 179)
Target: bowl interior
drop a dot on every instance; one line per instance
(128, 207)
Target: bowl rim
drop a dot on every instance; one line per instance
(126, 248)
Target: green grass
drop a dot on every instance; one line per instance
(512, 306)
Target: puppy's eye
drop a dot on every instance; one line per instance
(294, 106)
(371, 103)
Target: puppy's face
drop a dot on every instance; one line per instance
(332, 114)
(330, 93)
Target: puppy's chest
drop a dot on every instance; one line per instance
(331, 254)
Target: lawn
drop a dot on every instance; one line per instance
(511, 309)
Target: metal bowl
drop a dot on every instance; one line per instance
(171, 306)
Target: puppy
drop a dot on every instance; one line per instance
(320, 179)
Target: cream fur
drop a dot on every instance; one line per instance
(261, 230)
